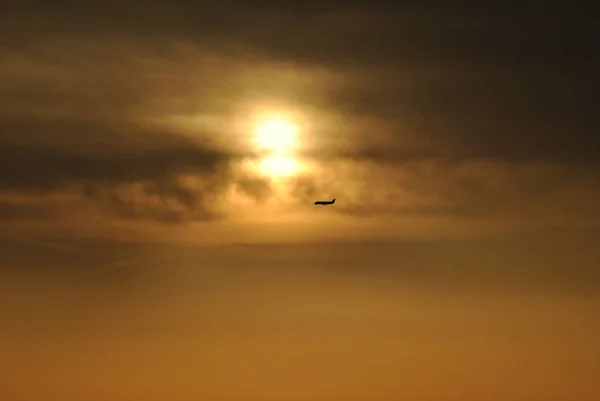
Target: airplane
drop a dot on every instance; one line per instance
(325, 203)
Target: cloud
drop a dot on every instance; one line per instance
(408, 98)
(467, 190)
(464, 82)
(463, 113)
(44, 153)
(364, 31)
(137, 173)
(166, 202)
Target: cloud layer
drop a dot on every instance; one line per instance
(418, 109)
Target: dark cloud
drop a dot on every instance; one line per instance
(257, 188)
(520, 115)
(45, 154)
(135, 172)
(330, 31)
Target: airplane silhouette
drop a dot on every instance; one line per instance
(325, 203)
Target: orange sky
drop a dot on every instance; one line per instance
(158, 242)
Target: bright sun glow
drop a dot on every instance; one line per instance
(279, 166)
(279, 138)
(277, 135)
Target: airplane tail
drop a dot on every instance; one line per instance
(333, 201)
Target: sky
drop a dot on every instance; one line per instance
(158, 167)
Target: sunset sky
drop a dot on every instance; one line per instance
(158, 167)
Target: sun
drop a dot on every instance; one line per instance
(276, 138)
(276, 134)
